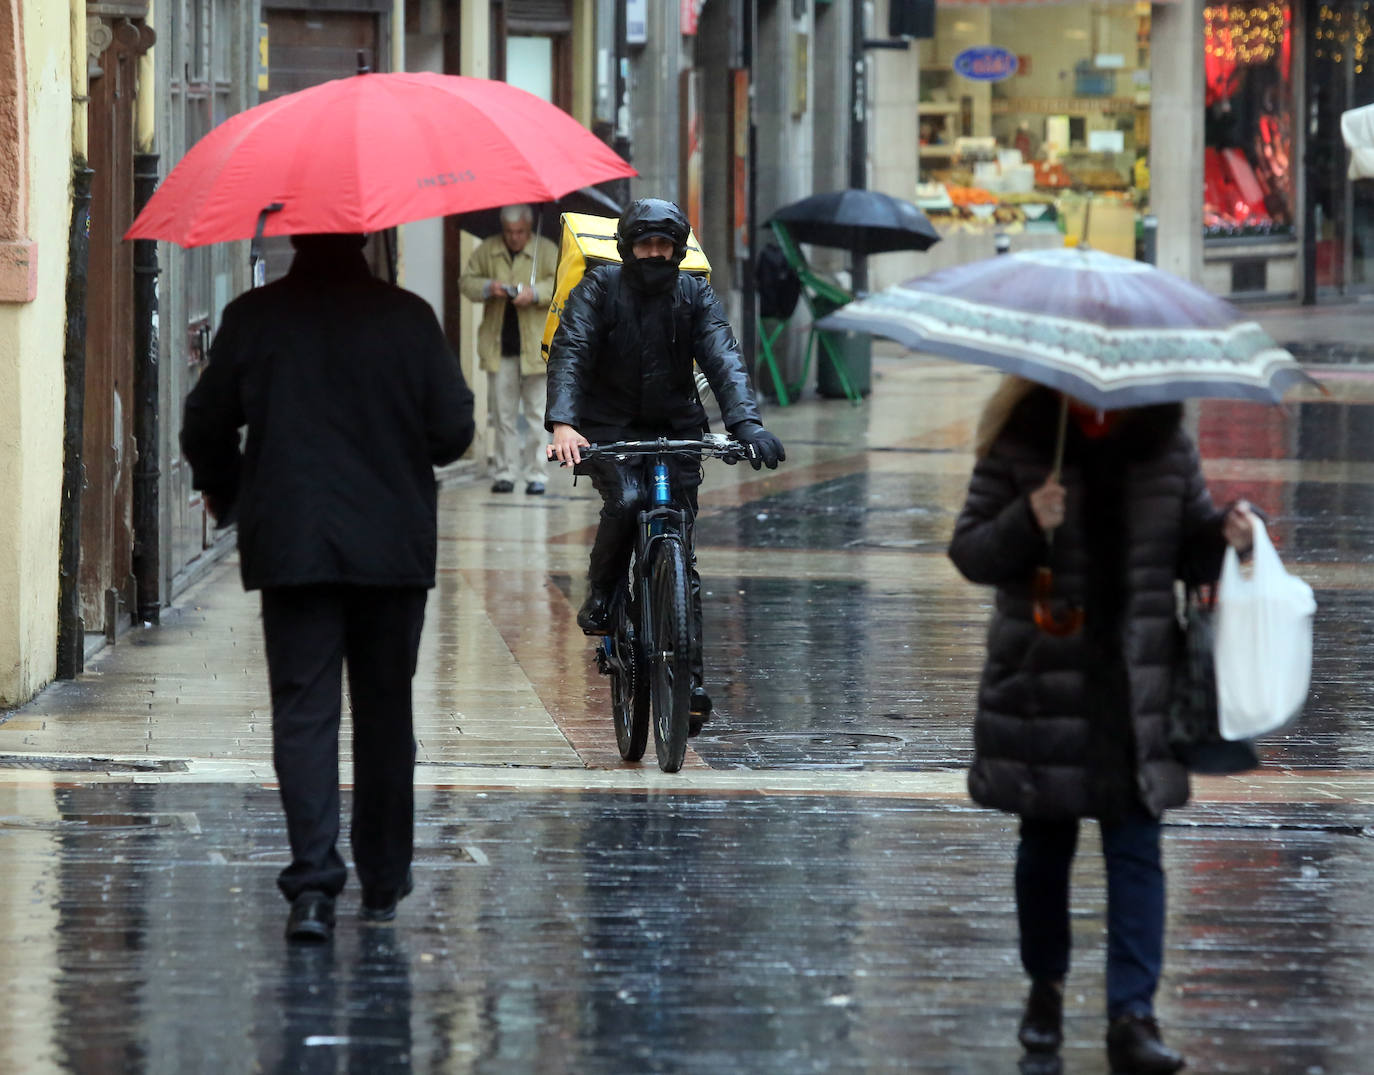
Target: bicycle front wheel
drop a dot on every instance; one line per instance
(629, 689)
(670, 661)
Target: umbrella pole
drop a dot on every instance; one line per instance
(1057, 467)
(257, 268)
(1042, 583)
(534, 238)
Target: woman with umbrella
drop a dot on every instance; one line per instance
(1072, 706)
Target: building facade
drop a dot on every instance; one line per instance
(40, 76)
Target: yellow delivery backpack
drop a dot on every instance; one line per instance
(589, 241)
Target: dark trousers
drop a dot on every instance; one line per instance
(624, 488)
(1135, 906)
(310, 632)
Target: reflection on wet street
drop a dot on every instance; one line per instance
(616, 932)
(813, 893)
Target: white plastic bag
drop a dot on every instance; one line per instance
(1263, 648)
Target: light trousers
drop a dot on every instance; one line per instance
(518, 456)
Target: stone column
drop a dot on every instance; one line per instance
(655, 89)
(1176, 96)
(893, 139)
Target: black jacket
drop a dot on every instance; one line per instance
(620, 363)
(351, 396)
(1076, 726)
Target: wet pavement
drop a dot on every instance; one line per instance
(813, 892)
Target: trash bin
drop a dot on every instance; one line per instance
(856, 352)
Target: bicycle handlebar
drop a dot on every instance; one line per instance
(716, 445)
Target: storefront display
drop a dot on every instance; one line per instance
(1248, 132)
(1340, 151)
(1029, 112)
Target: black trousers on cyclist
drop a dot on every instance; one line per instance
(624, 486)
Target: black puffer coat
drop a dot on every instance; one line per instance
(1076, 726)
(621, 361)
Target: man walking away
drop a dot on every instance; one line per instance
(350, 395)
(512, 275)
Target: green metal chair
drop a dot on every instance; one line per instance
(769, 330)
(822, 297)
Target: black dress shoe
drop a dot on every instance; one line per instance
(534, 489)
(698, 711)
(503, 487)
(1134, 1048)
(311, 918)
(594, 615)
(1040, 1064)
(1042, 1025)
(381, 906)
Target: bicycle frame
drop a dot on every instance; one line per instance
(633, 639)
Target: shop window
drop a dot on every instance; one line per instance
(1248, 163)
(1029, 112)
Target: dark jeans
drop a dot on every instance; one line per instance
(624, 488)
(1135, 906)
(310, 632)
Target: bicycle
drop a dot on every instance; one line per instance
(647, 649)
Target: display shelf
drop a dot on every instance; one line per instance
(938, 108)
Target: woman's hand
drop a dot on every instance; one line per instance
(1047, 504)
(1239, 527)
(566, 442)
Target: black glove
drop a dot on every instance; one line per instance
(764, 448)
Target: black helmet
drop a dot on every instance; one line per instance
(648, 217)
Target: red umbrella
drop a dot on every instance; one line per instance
(367, 152)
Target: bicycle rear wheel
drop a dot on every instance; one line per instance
(670, 662)
(629, 685)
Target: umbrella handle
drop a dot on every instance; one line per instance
(1042, 611)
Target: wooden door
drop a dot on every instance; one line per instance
(306, 48)
(108, 447)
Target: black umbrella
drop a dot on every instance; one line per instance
(486, 222)
(860, 221)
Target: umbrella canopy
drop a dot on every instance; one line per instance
(367, 152)
(860, 221)
(586, 200)
(1108, 331)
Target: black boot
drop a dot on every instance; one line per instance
(594, 615)
(1042, 1026)
(1134, 1048)
(698, 710)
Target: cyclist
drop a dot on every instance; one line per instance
(620, 368)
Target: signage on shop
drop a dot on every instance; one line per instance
(636, 22)
(690, 15)
(985, 63)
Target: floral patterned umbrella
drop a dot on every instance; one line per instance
(1108, 331)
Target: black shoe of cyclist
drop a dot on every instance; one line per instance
(698, 711)
(595, 614)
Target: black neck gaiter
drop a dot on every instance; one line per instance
(652, 276)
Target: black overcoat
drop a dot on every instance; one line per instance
(1076, 726)
(620, 363)
(351, 395)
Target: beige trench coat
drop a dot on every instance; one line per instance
(492, 261)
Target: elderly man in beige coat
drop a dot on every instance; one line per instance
(512, 275)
